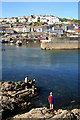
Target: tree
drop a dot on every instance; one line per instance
(61, 19)
(76, 21)
(47, 20)
(65, 19)
(30, 23)
(42, 23)
(39, 19)
(2, 34)
(7, 23)
(17, 19)
(36, 23)
(32, 16)
(26, 19)
(53, 25)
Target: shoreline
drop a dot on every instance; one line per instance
(44, 113)
(55, 44)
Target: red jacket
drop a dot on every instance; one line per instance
(51, 99)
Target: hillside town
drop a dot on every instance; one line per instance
(38, 26)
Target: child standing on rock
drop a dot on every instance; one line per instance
(26, 82)
(33, 85)
(51, 100)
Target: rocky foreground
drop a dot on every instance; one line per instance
(44, 113)
(16, 98)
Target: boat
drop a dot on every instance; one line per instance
(2, 41)
(19, 43)
(12, 41)
(27, 42)
(6, 41)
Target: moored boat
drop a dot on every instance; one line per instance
(6, 41)
(12, 41)
(19, 43)
(2, 41)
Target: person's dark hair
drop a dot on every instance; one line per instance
(47, 38)
(27, 76)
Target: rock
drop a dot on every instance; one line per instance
(44, 110)
(61, 114)
(2, 82)
(9, 82)
(23, 85)
(76, 113)
(17, 86)
(15, 97)
(4, 98)
(59, 111)
(9, 92)
(44, 114)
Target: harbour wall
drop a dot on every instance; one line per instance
(60, 45)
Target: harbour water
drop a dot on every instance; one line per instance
(54, 70)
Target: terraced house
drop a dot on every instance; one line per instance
(49, 19)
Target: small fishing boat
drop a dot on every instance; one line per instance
(19, 43)
(12, 41)
(2, 41)
(27, 42)
(6, 41)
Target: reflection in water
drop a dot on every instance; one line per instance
(33, 45)
(55, 71)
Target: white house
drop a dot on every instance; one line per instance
(76, 26)
(71, 31)
(1, 19)
(32, 20)
(24, 29)
(57, 30)
(22, 20)
(37, 29)
(11, 20)
(53, 20)
(5, 19)
(43, 19)
(49, 19)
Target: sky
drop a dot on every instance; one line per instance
(58, 9)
